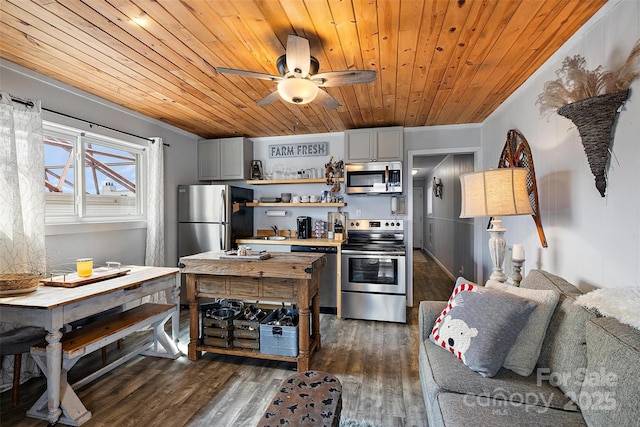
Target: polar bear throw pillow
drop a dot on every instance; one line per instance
(480, 325)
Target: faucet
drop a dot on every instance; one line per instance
(275, 230)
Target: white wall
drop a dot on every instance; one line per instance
(593, 241)
(106, 242)
(444, 138)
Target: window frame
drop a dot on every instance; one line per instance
(79, 217)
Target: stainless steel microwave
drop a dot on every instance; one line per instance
(373, 178)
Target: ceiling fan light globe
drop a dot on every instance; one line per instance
(297, 91)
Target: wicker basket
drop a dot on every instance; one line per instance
(18, 283)
(595, 118)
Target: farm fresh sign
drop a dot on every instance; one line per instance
(299, 150)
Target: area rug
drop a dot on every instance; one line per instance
(347, 422)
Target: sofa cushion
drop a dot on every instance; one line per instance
(609, 394)
(563, 357)
(428, 312)
(524, 353)
(479, 326)
(540, 279)
(439, 372)
(460, 410)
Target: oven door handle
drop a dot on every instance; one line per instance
(381, 254)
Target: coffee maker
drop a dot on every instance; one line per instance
(304, 227)
(256, 169)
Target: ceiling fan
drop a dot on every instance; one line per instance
(299, 82)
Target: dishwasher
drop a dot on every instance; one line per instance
(328, 285)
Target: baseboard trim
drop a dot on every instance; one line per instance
(447, 272)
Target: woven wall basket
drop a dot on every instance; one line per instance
(595, 118)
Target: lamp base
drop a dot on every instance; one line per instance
(498, 275)
(497, 249)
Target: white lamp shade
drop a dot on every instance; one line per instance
(496, 192)
(297, 90)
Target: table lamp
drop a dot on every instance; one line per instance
(495, 193)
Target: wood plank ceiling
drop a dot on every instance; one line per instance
(438, 62)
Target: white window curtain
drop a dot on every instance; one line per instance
(154, 255)
(155, 205)
(22, 208)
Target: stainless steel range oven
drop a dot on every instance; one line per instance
(374, 272)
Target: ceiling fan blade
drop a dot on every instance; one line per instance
(298, 56)
(272, 97)
(343, 78)
(325, 100)
(252, 74)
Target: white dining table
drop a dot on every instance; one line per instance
(53, 307)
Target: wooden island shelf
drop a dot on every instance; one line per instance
(285, 277)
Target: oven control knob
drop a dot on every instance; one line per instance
(357, 224)
(397, 224)
(386, 224)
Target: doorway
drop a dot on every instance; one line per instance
(435, 156)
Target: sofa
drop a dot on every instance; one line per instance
(587, 371)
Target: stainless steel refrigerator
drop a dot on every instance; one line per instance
(211, 218)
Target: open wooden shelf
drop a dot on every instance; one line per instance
(290, 181)
(298, 205)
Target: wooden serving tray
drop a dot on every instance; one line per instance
(72, 280)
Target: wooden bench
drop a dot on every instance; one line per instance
(96, 335)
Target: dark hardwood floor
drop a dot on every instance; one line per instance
(377, 363)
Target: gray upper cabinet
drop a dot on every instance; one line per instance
(374, 145)
(358, 144)
(224, 159)
(208, 159)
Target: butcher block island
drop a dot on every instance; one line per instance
(283, 277)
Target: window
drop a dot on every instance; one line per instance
(108, 186)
